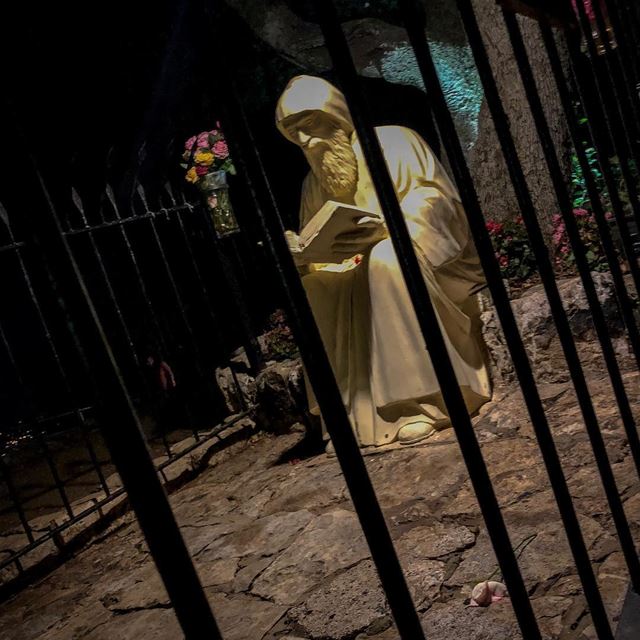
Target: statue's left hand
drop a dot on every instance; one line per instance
(369, 230)
(293, 240)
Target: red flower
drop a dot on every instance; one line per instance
(494, 228)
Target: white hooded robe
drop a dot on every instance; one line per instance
(362, 308)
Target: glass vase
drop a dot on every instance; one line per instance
(215, 191)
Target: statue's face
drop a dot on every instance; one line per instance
(311, 130)
(328, 150)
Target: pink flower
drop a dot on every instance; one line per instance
(203, 139)
(608, 215)
(504, 261)
(580, 213)
(220, 150)
(202, 171)
(188, 145)
(214, 132)
(587, 7)
(564, 249)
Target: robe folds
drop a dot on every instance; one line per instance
(362, 306)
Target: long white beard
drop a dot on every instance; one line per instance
(337, 168)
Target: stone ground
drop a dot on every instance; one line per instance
(281, 555)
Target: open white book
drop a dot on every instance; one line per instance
(319, 234)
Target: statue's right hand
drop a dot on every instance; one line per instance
(368, 231)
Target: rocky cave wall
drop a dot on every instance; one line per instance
(381, 50)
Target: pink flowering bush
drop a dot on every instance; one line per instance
(588, 229)
(205, 153)
(513, 251)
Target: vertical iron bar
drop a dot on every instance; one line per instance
(629, 19)
(606, 169)
(633, 20)
(143, 288)
(110, 290)
(206, 297)
(315, 359)
(624, 144)
(624, 301)
(241, 400)
(202, 287)
(252, 348)
(627, 99)
(122, 430)
(183, 313)
(414, 22)
(599, 321)
(4, 468)
(623, 37)
(435, 345)
(558, 482)
(324, 384)
(54, 471)
(12, 360)
(92, 452)
(15, 498)
(58, 362)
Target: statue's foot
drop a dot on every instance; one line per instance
(415, 432)
(330, 450)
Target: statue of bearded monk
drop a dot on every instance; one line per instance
(360, 302)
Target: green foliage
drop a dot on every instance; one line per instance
(580, 196)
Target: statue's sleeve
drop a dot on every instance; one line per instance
(428, 199)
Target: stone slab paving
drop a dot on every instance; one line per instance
(281, 555)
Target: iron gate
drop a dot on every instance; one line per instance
(607, 87)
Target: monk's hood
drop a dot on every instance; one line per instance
(309, 93)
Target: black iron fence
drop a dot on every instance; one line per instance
(603, 72)
(151, 274)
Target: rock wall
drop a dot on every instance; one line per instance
(488, 166)
(381, 50)
(540, 336)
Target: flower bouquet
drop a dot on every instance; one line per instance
(207, 161)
